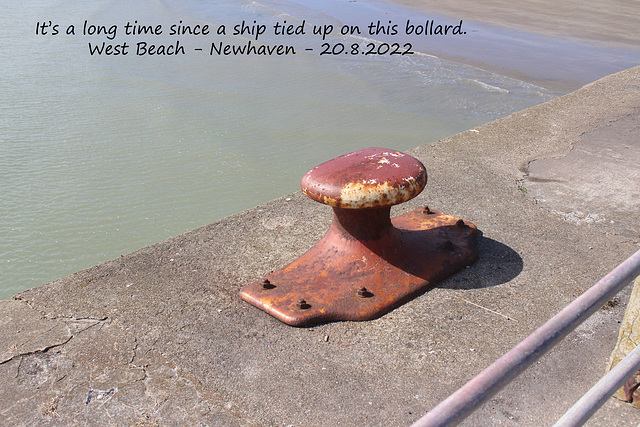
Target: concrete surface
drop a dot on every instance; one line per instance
(571, 184)
(159, 336)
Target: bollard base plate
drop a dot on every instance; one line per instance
(341, 278)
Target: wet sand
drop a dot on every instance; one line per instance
(559, 46)
(612, 22)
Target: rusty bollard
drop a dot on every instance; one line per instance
(366, 264)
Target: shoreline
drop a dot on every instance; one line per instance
(560, 54)
(612, 23)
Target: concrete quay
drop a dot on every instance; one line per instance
(159, 336)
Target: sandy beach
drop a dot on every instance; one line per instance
(612, 22)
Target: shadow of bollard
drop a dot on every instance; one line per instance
(497, 264)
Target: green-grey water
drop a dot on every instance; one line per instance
(102, 155)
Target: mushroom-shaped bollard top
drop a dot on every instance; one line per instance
(368, 178)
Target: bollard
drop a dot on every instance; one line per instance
(366, 264)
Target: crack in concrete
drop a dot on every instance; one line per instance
(39, 351)
(47, 348)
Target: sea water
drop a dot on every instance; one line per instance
(103, 154)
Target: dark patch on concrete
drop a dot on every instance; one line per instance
(598, 180)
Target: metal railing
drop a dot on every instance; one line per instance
(469, 397)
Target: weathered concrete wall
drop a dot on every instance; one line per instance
(159, 336)
(628, 340)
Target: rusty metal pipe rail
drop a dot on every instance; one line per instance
(465, 400)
